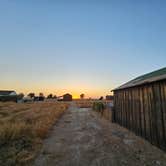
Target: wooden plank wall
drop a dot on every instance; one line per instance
(143, 110)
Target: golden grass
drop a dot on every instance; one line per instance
(23, 126)
(87, 103)
(84, 103)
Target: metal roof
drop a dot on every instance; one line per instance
(144, 79)
(67, 94)
(6, 92)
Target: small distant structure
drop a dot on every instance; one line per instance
(27, 99)
(67, 97)
(38, 98)
(109, 97)
(8, 95)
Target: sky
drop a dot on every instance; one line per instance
(79, 46)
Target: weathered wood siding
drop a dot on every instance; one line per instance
(143, 110)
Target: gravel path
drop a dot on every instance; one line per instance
(82, 138)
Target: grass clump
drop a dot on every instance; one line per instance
(12, 131)
(98, 106)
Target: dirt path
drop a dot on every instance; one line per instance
(81, 138)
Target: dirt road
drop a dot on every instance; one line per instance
(82, 138)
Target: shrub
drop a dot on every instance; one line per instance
(98, 106)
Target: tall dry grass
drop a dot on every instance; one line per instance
(23, 126)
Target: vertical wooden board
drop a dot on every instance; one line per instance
(122, 108)
(160, 125)
(149, 92)
(163, 93)
(147, 113)
(118, 108)
(139, 107)
(133, 111)
(124, 111)
(142, 112)
(143, 109)
(129, 103)
(145, 116)
(120, 111)
(116, 114)
(114, 108)
(127, 108)
(155, 116)
(163, 114)
(138, 113)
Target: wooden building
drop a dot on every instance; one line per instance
(67, 97)
(140, 106)
(109, 97)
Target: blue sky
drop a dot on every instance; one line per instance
(79, 46)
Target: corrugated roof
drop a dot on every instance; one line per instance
(6, 92)
(144, 79)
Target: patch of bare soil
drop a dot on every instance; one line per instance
(82, 138)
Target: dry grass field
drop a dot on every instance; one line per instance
(88, 103)
(84, 103)
(23, 126)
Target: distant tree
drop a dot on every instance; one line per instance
(82, 96)
(20, 96)
(41, 94)
(41, 97)
(50, 96)
(55, 97)
(101, 98)
(31, 95)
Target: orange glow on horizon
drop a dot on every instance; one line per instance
(75, 96)
(89, 90)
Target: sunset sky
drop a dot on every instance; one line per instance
(86, 47)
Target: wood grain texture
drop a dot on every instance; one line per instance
(142, 110)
